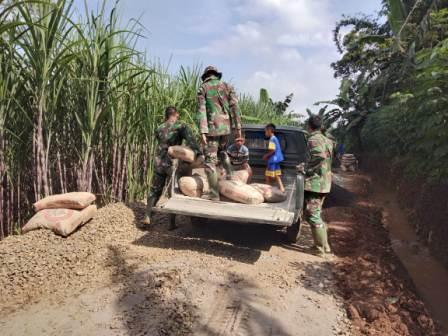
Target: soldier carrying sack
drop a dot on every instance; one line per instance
(171, 133)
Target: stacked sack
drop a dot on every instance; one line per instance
(349, 162)
(62, 213)
(234, 189)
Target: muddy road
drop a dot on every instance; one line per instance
(111, 278)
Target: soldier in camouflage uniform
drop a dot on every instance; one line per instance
(218, 114)
(171, 133)
(318, 182)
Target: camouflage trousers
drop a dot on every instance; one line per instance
(215, 146)
(158, 181)
(313, 210)
(215, 152)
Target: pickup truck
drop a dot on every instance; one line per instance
(286, 214)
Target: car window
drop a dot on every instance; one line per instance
(256, 140)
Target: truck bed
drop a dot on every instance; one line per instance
(281, 214)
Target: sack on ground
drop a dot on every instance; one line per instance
(241, 175)
(193, 186)
(182, 153)
(73, 200)
(60, 221)
(270, 194)
(240, 192)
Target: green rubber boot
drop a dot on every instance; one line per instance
(212, 177)
(151, 202)
(227, 165)
(327, 247)
(320, 238)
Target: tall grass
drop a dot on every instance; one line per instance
(79, 105)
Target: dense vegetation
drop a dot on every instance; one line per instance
(79, 104)
(393, 99)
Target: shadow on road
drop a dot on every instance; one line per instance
(242, 311)
(149, 304)
(144, 303)
(242, 243)
(339, 197)
(236, 242)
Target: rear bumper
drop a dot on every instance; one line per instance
(226, 211)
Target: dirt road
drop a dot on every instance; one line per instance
(111, 278)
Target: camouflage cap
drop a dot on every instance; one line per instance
(211, 69)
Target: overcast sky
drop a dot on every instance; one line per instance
(281, 45)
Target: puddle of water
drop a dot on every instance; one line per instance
(429, 276)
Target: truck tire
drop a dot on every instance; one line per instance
(293, 232)
(198, 222)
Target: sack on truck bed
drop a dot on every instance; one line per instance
(61, 221)
(238, 175)
(73, 200)
(193, 186)
(241, 175)
(182, 153)
(271, 194)
(240, 192)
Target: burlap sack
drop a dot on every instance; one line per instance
(193, 186)
(240, 192)
(182, 153)
(73, 200)
(60, 221)
(270, 194)
(240, 175)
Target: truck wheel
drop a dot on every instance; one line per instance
(293, 232)
(198, 222)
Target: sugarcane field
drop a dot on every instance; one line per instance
(233, 168)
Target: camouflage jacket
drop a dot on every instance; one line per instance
(172, 134)
(318, 170)
(218, 109)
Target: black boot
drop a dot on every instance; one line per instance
(172, 222)
(213, 194)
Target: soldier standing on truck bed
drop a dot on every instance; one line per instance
(318, 182)
(218, 113)
(171, 133)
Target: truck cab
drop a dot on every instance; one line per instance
(286, 214)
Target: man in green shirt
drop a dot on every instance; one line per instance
(171, 133)
(318, 182)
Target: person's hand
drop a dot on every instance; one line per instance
(204, 139)
(301, 168)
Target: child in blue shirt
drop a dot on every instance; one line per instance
(273, 157)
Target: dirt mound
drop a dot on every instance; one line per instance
(40, 262)
(379, 295)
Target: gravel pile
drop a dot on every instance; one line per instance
(40, 262)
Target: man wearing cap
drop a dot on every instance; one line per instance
(218, 115)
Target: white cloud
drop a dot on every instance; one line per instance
(290, 55)
(298, 15)
(305, 39)
(274, 39)
(310, 80)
